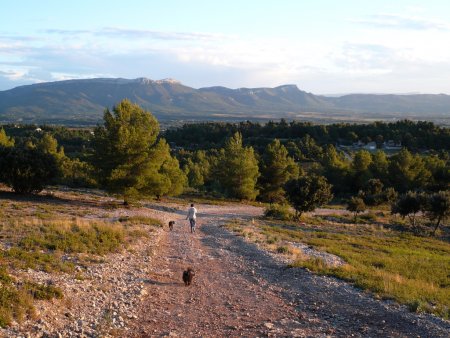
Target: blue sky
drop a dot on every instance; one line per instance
(324, 47)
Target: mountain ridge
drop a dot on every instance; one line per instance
(86, 99)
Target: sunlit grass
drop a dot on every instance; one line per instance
(394, 265)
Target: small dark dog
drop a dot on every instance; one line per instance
(187, 276)
(171, 223)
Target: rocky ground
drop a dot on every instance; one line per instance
(238, 290)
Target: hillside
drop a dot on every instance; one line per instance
(117, 273)
(83, 101)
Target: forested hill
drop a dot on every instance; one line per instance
(83, 101)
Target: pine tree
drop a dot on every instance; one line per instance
(5, 141)
(130, 161)
(408, 171)
(238, 169)
(276, 169)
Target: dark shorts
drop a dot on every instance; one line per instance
(192, 221)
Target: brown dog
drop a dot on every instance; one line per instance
(171, 223)
(187, 276)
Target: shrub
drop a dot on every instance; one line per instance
(43, 292)
(26, 170)
(370, 217)
(356, 205)
(283, 249)
(278, 211)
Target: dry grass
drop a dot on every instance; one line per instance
(395, 265)
(54, 234)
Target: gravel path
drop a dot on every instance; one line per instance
(240, 290)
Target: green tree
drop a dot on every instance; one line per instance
(172, 178)
(197, 169)
(379, 166)
(5, 141)
(336, 168)
(77, 173)
(356, 205)
(373, 192)
(238, 169)
(130, 161)
(408, 204)
(360, 169)
(49, 145)
(408, 171)
(294, 151)
(26, 170)
(276, 169)
(309, 148)
(440, 173)
(437, 208)
(307, 193)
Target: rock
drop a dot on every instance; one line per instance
(268, 325)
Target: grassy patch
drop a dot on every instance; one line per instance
(395, 265)
(74, 237)
(43, 244)
(406, 268)
(16, 299)
(134, 220)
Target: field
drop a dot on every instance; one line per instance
(392, 264)
(60, 234)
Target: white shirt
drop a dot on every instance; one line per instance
(192, 213)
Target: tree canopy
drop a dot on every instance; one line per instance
(130, 160)
(238, 169)
(276, 169)
(308, 192)
(26, 170)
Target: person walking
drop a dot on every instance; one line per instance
(192, 216)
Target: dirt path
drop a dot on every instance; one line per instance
(240, 290)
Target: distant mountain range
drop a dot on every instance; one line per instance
(84, 101)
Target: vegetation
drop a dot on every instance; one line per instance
(26, 170)
(288, 165)
(237, 170)
(437, 208)
(130, 159)
(411, 135)
(308, 193)
(5, 141)
(53, 241)
(276, 169)
(394, 265)
(356, 205)
(408, 205)
(278, 211)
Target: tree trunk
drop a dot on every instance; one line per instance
(437, 225)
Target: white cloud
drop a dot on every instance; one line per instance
(363, 61)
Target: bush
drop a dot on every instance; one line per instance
(26, 170)
(278, 211)
(283, 249)
(43, 292)
(369, 217)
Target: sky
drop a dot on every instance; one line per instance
(322, 46)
